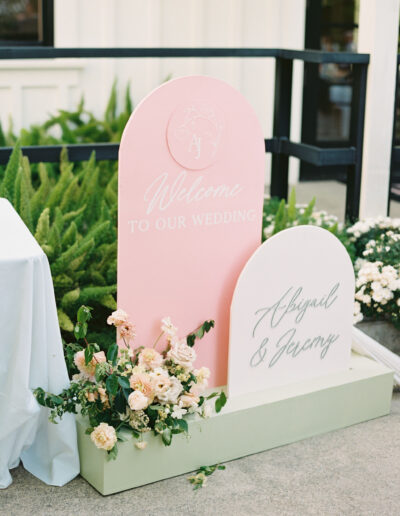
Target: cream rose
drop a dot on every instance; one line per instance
(104, 436)
(172, 393)
(188, 400)
(138, 401)
(142, 382)
(118, 317)
(141, 445)
(182, 354)
(150, 358)
(88, 370)
(160, 380)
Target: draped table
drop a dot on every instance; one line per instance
(31, 356)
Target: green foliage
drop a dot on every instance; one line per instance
(220, 400)
(107, 386)
(200, 478)
(75, 225)
(199, 332)
(71, 209)
(279, 215)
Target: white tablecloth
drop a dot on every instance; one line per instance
(30, 356)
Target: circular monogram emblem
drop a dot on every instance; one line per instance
(194, 134)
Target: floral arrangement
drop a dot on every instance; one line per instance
(377, 268)
(135, 389)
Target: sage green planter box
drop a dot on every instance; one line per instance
(246, 425)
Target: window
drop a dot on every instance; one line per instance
(26, 22)
(331, 25)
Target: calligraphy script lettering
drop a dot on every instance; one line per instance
(288, 344)
(291, 302)
(161, 194)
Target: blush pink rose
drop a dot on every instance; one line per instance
(138, 401)
(118, 317)
(88, 370)
(150, 358)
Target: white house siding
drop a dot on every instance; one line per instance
(29, 90)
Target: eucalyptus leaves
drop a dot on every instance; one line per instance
(136, 389)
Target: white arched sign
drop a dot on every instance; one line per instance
(292, 310)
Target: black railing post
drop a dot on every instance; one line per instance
(281, 129)
(354, 172)
(392, 155)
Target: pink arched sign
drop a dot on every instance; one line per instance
(191, 182)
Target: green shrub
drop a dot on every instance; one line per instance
(279, 215)
(72, 209)
(73, 217)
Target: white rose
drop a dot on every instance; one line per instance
(141, 445)
(207, 410)
(174, 389)
(160, 380)
(138, 401)
(182, 354)
(178, 412)
(104, 436)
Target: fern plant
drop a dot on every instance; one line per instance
(73, 218)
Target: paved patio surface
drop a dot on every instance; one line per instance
(331, 196)
(354, 471)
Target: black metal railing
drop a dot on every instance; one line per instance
(394, 183)
(280, 145)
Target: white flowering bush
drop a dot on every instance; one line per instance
(371, 229)
(377, 268)
(377, 291)
(279, 215)
(136, 389)
(373, 246)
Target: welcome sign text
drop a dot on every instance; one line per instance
(164, 193)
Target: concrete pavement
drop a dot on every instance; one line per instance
(354, 471)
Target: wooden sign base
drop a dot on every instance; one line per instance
(248, 424)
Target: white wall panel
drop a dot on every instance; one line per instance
(38, 100)
(159, 23)
(6, 96)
